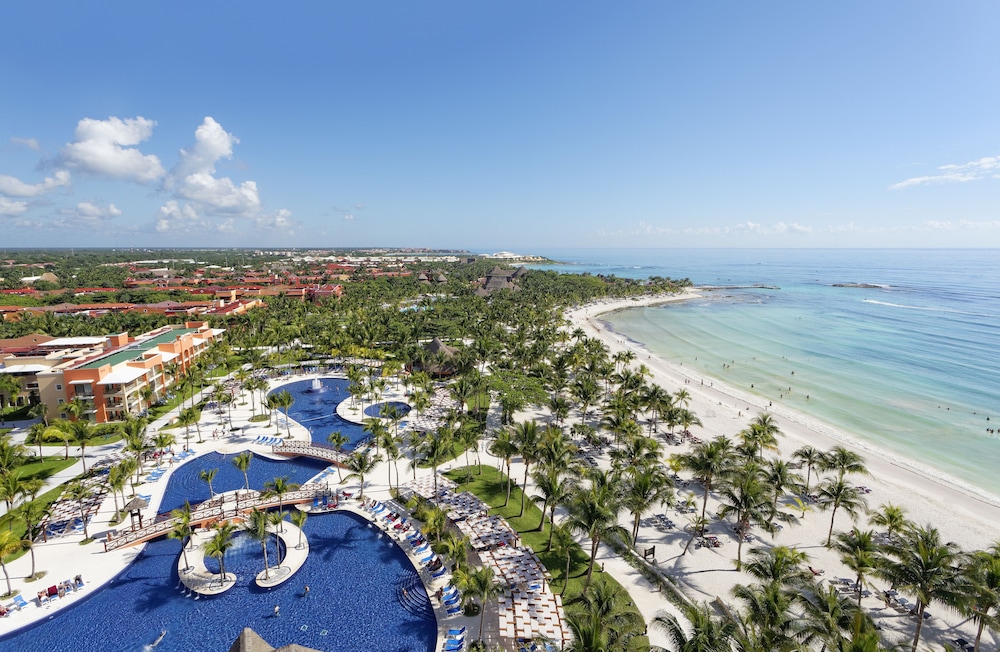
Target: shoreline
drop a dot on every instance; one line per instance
(933, 495)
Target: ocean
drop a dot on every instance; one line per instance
(905, 358)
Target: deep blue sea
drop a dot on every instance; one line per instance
(910, 366)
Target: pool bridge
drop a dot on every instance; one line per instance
(311, 449)
(234, 505)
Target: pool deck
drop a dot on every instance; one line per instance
(196, 577)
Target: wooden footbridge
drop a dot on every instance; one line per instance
(310, 449)
(226, 507)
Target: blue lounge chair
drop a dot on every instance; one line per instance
(428, 559)
(456, 632)
(439, 573)
(20, 602)
(452, 601)
(454, 646)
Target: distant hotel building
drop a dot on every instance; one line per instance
(111, 372)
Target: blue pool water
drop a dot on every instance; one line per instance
(379, 409)
(356, 577)
(317, 410)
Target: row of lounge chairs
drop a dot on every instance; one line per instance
(455, 641)
(264, 440)
(65, 527)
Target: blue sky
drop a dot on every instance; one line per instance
(500, 125)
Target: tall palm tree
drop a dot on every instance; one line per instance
(925, 567)
(833, 620)
(593, 512)
(220, 543)
(889, 516)
(983, 602)
(858, 552)
(256, 527)
(182, 529)
(707, 461)
(207, 475)
(435, 450)
(603, 623)
(77, 491)
(9, 544)
(747, 498)
(482, 585)
(34, 513)
(299, 519)
(242, 462)
(338, 440)
(553, 490)
(835, 494)
(562, 543)
(285, 401)
(779, 476)
(812, 457)
(768, 621)
(843, 461)
(703, 632)
(647, 487)
(163, 440)
(525, 437)
(187, 418)
(361, 463)
(279, 487)
(504, 447)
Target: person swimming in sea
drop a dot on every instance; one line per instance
(159, 638)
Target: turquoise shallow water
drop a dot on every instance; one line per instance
(910, 366)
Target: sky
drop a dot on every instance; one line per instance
(500, 125)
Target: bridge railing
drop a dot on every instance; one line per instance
(310, 449)
(214, 509)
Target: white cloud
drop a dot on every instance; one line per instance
(107, 147)
(14, 187)
(8, 207)
(348, 217)
(988, 167)
(280, 220)
(193, 178)
(30, 143)
(174, 217)
(93, 211)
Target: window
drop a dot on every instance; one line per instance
(59, 387)
(61, 401)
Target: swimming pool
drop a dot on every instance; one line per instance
(356, 576)
(317, 410)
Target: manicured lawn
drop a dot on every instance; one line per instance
(45, 467)
(491, 488)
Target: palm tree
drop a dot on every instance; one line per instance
(811, 457)
(208, 475)
(649, 486)
(857, 552)
(242, 462)
(40, 411)
(285, 401)
(708, 633)
(299, 520)
(9, 544)
(762, 434)
(435, 450)
(525, 437)
(593, 512)
(186, 419)
(831, 619)
(983, 603)
(56, 432)
(889, 516)
(836, 494)
(768, 622)
(504, 448)
(279, 487)
(468, 437)
(77, 491)
(219, 545)
(34, 513)
(256, 527)
(747, 498)
(182, 529)
(562, 543)
(779, 476)
(603, 623)
(338, 440)
(925, 567)
(843, 461)
(553, 490)
(163, 440)
(361, 463)
(708, 461)
(483, 586)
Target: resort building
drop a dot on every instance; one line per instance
(117, 374)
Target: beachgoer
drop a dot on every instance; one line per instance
(277, 611)
(305, 591)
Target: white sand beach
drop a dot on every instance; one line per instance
(963, 517)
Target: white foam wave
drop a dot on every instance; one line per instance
(924, 308)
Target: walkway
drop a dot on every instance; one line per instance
(310, 449)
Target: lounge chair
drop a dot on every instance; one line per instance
(456, 632)
(452, 601)
(21, 603)
(429, 558)
(439, 573)
(454, 646)
(454, 610)
(422, 549)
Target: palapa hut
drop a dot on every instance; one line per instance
(439, 359)
(251, 641)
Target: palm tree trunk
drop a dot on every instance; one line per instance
(593, 559)
(524, 488)
(829, 535)
(541, 521)
(920, 624)
(507, 499)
